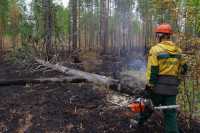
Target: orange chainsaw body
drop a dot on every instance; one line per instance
(137, 107)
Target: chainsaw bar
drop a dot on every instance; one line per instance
(167, 107)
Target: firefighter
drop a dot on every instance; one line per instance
(165, 64)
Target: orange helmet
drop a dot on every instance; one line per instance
(164, 28)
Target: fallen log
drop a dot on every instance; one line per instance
(95, 78)
(72, 79)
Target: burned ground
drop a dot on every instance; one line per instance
(59, 107)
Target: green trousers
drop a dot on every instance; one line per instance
(169, 115)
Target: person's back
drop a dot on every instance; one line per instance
(165, 63)
(166, 59)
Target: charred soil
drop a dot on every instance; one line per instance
(59, 107)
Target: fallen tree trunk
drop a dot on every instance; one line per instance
(41, 80)
(95, 78)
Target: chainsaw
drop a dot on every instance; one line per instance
(145, 105)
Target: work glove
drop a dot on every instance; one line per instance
(148, 87)
(148, 91)
(148, 106)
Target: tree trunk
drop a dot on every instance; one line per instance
(104, 25)
(48, 27)
(85, 35)
(1, 35)
(72, 79)
(93, 78)
(79, 24)
(74, 24)
(70, 32)
(1, 41)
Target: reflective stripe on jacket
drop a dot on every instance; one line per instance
(165, 59)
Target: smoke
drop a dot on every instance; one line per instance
(137, 65)
(135, 74)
